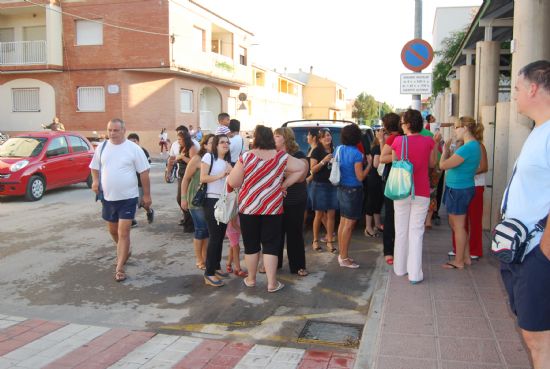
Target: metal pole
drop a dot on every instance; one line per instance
(416, 104)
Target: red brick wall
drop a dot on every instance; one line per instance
(121, 48)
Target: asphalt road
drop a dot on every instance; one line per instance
(57, 262)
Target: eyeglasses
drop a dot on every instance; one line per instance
(223, 142)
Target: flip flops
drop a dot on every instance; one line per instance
(450, 265)
(278, 288)
(120, 275)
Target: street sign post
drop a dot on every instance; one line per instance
(416, 83)
(417, 54)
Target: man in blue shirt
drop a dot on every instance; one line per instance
(528, 283)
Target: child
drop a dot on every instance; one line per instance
(234, 234)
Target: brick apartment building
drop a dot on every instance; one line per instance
(153, 63)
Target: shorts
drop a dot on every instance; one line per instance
(261, 233)
(457, 200)
(323, 196)
(233, 234)
(527, 286)
(122, 209)
(351, 201)
(199, 221)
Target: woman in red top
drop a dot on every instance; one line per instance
(259, 174)
(410, 212)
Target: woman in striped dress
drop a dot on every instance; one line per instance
(263, 175)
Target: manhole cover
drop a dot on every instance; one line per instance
(333, 334)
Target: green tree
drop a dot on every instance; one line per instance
(450, 47)
(367, 110)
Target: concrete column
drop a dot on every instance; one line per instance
(500, 158)
(487, 116)
(446, 113)
(531, 42)
(455, 90)
(487, 76)
(466, 90)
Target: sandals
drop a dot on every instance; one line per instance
(450, 265)
(315, 245)
(228, 268)
(302, 272)
(368, 234)
(389, 260)
(200, 266)
(331, 247)
(278, 288)
(241, 273)
(120, 275)
(347, 263)
(249, 284)
(209, 280)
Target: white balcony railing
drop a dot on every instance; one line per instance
(23, 53)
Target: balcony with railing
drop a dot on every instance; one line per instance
(20, 53)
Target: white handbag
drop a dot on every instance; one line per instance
(334, 177)
(226, 207)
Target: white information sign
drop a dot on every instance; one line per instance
(416, 83)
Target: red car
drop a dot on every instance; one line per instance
(32, 162)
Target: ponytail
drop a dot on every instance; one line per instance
(475, 129)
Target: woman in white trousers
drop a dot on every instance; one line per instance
(410, 212)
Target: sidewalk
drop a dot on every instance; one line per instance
(455, 319)
(32, 344)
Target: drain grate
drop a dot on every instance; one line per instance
(332, 334)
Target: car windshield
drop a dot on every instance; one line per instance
(22, 147)
(301, 137)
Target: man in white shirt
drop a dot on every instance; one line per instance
(223, 124)
(236, 142)
(527, 199)
(114, 168)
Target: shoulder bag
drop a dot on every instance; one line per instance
(200, 196)
(99, 196)
(400, 183)
(510, 236)
(334, 177)
(226, 207)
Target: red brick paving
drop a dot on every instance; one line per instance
(20, 334)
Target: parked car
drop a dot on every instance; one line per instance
(34, 162)
(301, 127)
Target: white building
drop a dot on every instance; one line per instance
(448, 20)
(271, 100)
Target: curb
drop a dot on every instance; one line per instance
(371, 331)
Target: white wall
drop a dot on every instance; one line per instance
(447, 20)
(26, 121)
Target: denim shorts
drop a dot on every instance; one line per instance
(527, 286)
(351, 201)
(122, 209)
(457, 200)
(323, 196)
(199, 221)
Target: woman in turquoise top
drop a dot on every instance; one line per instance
(461, 167)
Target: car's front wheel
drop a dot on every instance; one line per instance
(35, 188)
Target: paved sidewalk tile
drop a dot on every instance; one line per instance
(454, 319)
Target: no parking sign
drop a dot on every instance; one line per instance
(417, 54)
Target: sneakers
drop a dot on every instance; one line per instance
(134, 223)
(150, 216)
(451, 253)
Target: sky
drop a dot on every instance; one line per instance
(356, 43)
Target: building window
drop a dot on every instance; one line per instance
(340, 94)
(89, 32)
(25, 99)
(259, 78)
(186, 101)
(90, 98)
(283, 85)
(242, 55)
(199, 38)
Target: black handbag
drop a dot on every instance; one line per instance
(200, 196)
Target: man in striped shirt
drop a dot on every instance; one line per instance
(223, 124)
